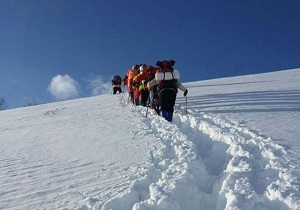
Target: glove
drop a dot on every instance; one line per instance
(185, 92)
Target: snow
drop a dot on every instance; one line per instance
(237, 147)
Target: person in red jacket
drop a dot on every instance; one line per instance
(147, 73)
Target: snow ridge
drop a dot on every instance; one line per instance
(207, 162)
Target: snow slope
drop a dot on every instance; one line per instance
(237, 147)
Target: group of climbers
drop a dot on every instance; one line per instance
(155, 87)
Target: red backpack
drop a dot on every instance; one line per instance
(165, 65)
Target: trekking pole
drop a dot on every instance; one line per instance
(148, 102)
(186, 104)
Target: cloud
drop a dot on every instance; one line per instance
(99, 87)
(63, 87)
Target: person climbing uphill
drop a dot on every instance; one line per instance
(144, 92)
(130, 75)
(116, 83)
(140, 81)
(167, 81)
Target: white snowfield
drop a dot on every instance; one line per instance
(237, 147)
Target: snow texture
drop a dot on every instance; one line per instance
(236, 146)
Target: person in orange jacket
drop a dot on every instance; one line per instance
(130, 75)
(136, 83)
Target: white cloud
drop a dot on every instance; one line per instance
(98, 86)
(63, 87)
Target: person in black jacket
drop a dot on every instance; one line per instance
(116, 83)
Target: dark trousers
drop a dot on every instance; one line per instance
(167, 98)
(117, 89)
(144, 96)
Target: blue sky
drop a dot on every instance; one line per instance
(54, 50)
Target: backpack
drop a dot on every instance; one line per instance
(166, 76)
(165, 65)
(117, 80)
(166, 71)
(167, 85)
